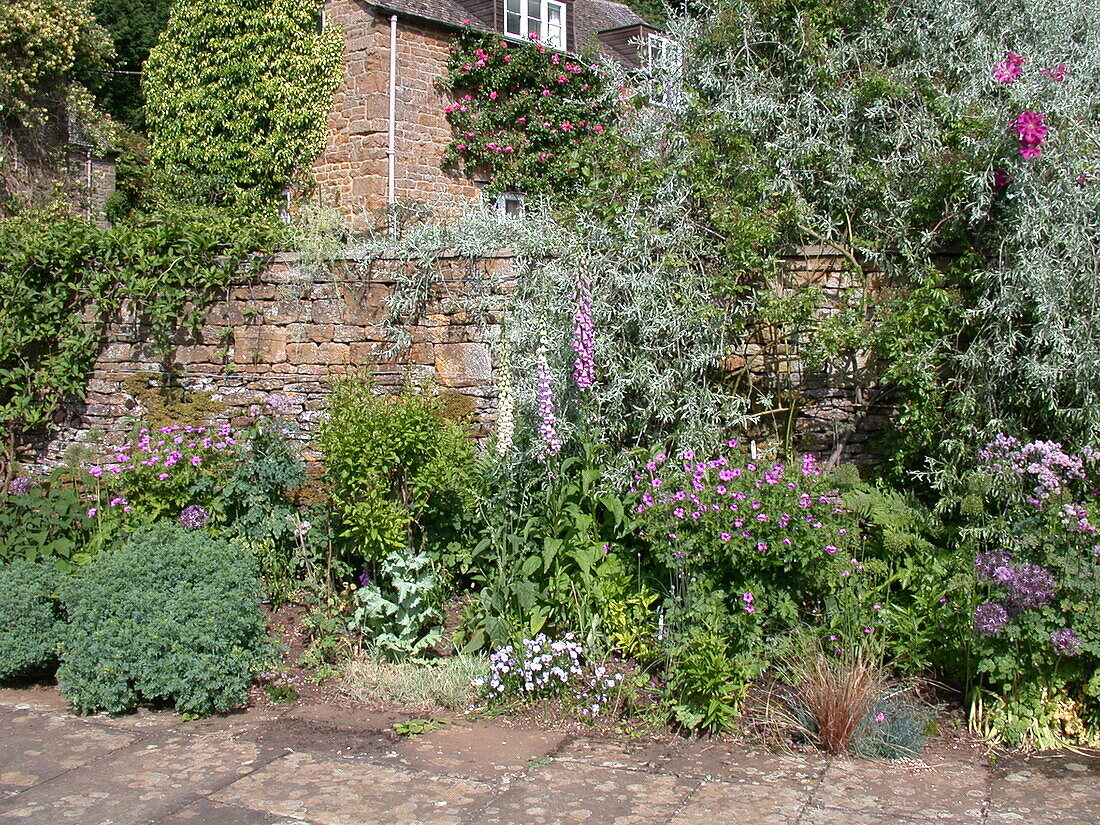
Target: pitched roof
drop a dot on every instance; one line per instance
(590, 17)
(451, 12)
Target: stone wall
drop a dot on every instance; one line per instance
(290, 332)
(352, 170)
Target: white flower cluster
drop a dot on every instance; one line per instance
(541, 668)
(594, 698)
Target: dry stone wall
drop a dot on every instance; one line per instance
(289, 333)
(292, 330)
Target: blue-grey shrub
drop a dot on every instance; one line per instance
(172, 616)
(30, 621)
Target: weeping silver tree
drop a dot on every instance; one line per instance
(898, 132)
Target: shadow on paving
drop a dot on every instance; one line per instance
(322, 765)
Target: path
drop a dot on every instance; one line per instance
(327, 766)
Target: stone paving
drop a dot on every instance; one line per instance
(319, 765)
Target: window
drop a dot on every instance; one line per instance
(545, 18)
(664, 65)
(509, 205)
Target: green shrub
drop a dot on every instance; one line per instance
(171, 616)
(29, 619)
(400, 472)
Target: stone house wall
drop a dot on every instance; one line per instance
(352, 170)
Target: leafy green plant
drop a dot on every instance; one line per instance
(30, 619)
(710, 662)
(170, 616)
(400, 615)
(415, 727)
(238, 131)
(400, 474)
(46, 521)
(552, 552)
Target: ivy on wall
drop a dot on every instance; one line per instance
(63, 278)
(238, 93)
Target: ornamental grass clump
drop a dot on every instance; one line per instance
(833, 692)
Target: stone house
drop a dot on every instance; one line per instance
(388, 131)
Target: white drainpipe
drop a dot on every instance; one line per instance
(391, 152)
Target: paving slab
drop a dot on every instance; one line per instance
(569, 793)
(350, 791)
(137, 784)
(736, 762)
(36, 746)
(1046, 794)
(955, 791)
(745, 802)
(475, 751)
(640, 755)
(844, 816)
(207, 812)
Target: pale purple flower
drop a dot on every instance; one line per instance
(194, 515)
(548, 429)
(990, 619)
(1065, 642)
(19, 486)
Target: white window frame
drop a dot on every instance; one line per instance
(540, 25)
(663, 58)
(509, 206)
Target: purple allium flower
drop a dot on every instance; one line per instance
(194, 515)
(584, 366)
(990, 619)
(1065, 642)
(986, 564)
(1031, 586)
(19, 486)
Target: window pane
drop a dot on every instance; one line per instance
(555, 25)
(513, 17)
(534, 17)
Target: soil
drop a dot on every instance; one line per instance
(951, 737)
